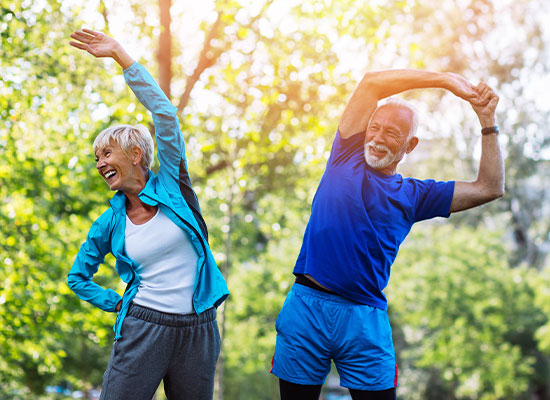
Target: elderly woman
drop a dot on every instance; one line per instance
(166, 326)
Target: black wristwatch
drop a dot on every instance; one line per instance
(489, 130)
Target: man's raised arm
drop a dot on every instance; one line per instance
(377, 85)
(489, 184)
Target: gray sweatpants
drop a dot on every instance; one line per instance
(181, 349)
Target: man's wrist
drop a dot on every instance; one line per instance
(489, 130)
(487, 123)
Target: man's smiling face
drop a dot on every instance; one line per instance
(387, 137)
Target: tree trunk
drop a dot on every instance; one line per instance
(226, 267)
(218, 379)
(84, 369)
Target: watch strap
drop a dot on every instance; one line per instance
(489, 130)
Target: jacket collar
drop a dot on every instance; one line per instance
(118, 201)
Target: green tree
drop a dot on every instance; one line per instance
(51, 106)
(260, 94)
(466, 321)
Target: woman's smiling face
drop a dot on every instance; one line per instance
(114, 165)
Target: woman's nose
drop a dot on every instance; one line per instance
(99, 163)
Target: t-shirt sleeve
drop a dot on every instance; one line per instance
(343, 149)
(432, 199)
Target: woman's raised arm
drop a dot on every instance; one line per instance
(170, 142)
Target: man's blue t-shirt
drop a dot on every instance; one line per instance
(359, 218)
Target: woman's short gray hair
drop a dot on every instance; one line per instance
(408, 106)
(128, 136)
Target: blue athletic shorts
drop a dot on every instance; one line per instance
(314, 327)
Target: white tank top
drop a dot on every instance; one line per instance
(167, 264)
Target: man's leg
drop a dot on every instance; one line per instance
(365, 360)
(388, 394)
(302, 355)
(293, 391)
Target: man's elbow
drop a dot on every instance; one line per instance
(485, 193)
(495, 193)
(500, 193)
(370, 82)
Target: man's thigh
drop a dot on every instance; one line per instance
(365, 358)
(302, 353)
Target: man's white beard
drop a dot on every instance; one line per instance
(379, 163)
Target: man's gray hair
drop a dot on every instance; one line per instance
(405, 105)
(128, 137)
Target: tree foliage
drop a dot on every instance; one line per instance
(51, 107)
(467, 320)
(260, 91)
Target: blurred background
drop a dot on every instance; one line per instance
(260, 86)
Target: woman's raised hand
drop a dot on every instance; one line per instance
(96, 43)
(100, 45)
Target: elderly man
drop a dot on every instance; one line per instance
(361, 213)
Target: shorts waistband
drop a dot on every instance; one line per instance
(303, 280)
(174, 320)
(328, 297)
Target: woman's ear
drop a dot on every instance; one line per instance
(135, 155)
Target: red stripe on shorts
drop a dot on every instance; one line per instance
(272, 358)
(394, 381)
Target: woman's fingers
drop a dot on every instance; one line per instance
(79, 45)
(81, 36)
(93, 33)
